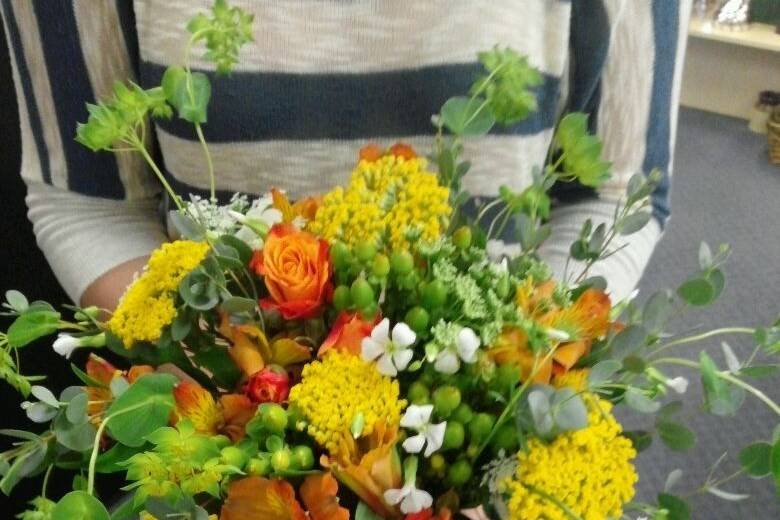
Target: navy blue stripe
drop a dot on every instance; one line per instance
(256, 106)
(88, 173)
(666, 30)
(126, 15)
(29, 95)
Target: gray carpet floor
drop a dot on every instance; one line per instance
(724, 190)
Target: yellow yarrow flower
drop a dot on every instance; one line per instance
(577, 380)
(389, 201)
(147, 306)
(588, 470)
(334, 391)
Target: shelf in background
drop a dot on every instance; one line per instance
(756, 35)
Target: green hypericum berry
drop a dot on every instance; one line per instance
(445, 400)
(463, 414)
(505, 439)
(418, 319)
(480, 427)
(339, 253)
(402, 262)
(274, 417)
(221, 441)
(502, 287)
(438, 463)
(418, 393)
(259, 466)
(281, 460)
(454, 436)
(459, 473)
(368, 313)
(434, 295)
(341, 298)
(381, 266)
(365, 251)
(362, 294)
(507, 377)
(302, 457)
(462, 237)
(233, 456)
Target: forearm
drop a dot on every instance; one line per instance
(94, 246)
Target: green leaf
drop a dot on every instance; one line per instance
(602, 371)
(633, 222)
(243, 250)
(774, 461)
(216, 360)
(76, 412)
(465, 116)
(76, 437)
(759, 371)
(24, 465)
(44, 395)
(628, 341)
(677, 507)
(676, 436)
(581, 151)
(363, 512)
(186, 226)
(569, 411)
(189, 93)
(720, 397)
(112, 460)
(16, 300)
(640, 439)
(32, 325)
(507, 84)
(697, 291)
(238, 305)
(756, 459)
(81, 505)
(638, 401)
(143, 408)
(657, 312)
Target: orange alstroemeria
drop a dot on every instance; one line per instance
(228, 416)
(584, 321)
(256, 498)
(369, 466)
(251, 350)
(305, 208)
(320, 496)
(347, 333)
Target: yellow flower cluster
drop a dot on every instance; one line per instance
(589, 471)
(388, 201)
(334, 391)
(575, 379)
(148, 304)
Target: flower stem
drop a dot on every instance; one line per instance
(563, 507)
(209, 162)
(703, 336)
(726, 376)
(148, 158)
(96, 445)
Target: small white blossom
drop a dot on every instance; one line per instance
(65, 344)
(412, 500)
(431, 436)
(464, 348)
(260, 214)
(392, 352)
(678, 384)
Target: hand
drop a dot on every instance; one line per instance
(106, 291)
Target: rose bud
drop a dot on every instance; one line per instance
(268, 385)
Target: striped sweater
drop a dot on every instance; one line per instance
(321, 79)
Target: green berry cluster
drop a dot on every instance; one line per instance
(270, 452)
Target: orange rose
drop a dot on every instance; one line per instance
(296, 268)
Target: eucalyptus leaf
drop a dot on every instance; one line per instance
(720, 397)
(44, 395)
(676, 436)
(602, 371)
(628, 341)
(76, 437)
(186, 226)
(539, 405)
(677, 507)
(697, 292)
(638, 401)
(633, 222)
(76, 412)
(755, 459)
(657, 311)
(24, 465)
(238, 305)
(569, 411)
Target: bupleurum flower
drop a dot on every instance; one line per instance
(147, 306)
(389, 199)
(334, 391)
(588, 470)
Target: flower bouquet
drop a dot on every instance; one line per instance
(362, 354)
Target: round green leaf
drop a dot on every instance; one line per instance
(81, 505)
(76, 412)
(465, 116)
(602, 371)
(755, 459)
(697, 291)
(677, 507)
(637, 400)
(141, 409)
(676, 436)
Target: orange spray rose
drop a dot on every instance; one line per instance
(296, 268)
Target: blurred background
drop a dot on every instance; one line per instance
(726, 189)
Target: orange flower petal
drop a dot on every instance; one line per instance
(370, 153)
(319, 494)
(403, 150)
(256, 498)
(137, 371)
(195, 403)
(237, 410)
(567, 355)
(282, 203)
(347, 334)
(101, 370)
